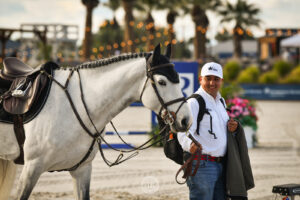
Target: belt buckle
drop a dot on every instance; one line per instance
(218, 159)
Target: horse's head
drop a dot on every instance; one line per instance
(162, 93)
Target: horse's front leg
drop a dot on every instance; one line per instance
(31, 172)
(81, 179)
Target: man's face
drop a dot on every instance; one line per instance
(211, 84)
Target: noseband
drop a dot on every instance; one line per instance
(167, 116)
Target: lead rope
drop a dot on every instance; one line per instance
(187, 167)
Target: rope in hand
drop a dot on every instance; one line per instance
(187, 166)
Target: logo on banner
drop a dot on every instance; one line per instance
(187, 83)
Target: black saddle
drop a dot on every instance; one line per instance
(17, 75)
(14, 68)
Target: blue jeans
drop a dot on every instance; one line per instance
(208, 183)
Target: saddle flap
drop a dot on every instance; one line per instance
(31, 87)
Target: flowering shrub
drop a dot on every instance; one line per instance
(242, 110)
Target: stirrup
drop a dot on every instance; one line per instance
(20, 93)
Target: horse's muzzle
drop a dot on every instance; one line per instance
(182, 125)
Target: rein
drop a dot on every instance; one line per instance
(169, 118)
(187, 166)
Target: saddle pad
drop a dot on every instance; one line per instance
(38, 104)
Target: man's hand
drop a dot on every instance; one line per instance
(232, 125)
(194, 148)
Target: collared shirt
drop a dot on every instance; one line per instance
(211, 146)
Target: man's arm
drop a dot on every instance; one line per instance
(183, 139)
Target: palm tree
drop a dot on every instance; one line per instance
(114, 5)
(108, 39)
(173, 6)
(129, 24)
(198, 13)
(87, 43)
(223, 35)
(244, 15)
(148, 6)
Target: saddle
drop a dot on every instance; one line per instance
(14, 68)
(23, 92)
(27, 83)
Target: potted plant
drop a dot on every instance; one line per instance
(244, 111)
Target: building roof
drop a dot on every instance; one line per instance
(293, 41)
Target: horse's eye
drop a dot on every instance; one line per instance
(162, 82)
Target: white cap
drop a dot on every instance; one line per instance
(212, 68)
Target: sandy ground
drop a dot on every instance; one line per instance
(150, 176)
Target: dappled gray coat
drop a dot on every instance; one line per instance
(239, 176)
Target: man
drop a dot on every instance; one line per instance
(209, 183)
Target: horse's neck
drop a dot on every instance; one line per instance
(109, 90)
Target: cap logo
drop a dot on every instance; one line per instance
(212, 68)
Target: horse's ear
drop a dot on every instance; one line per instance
(168, 51)
(156, 53)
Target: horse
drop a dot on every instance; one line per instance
(61, 134)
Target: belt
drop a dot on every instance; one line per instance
(210, 158)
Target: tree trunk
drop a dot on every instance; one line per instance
(129, 23)
(237, 42)
(4, 38)
(151, 32)
(201, 23)
(171, 33)
(87, 43)
(116, 24)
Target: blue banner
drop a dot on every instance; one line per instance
(272, 92)
(188, 73)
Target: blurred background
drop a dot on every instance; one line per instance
(71, 31)
(257, 42)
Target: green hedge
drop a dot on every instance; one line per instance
(282, 68)
(231, 71)
(282, 72)
(249, 75)
(270, 77)
(229, 91)
(293, 77)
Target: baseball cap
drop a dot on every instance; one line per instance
(212, 68)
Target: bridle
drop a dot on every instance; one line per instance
(167, 116)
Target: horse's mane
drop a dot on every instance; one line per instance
(111, 60)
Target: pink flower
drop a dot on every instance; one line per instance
(246, 113)
(246, 101)
(240, 108)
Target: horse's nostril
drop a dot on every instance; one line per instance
(184, 122)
